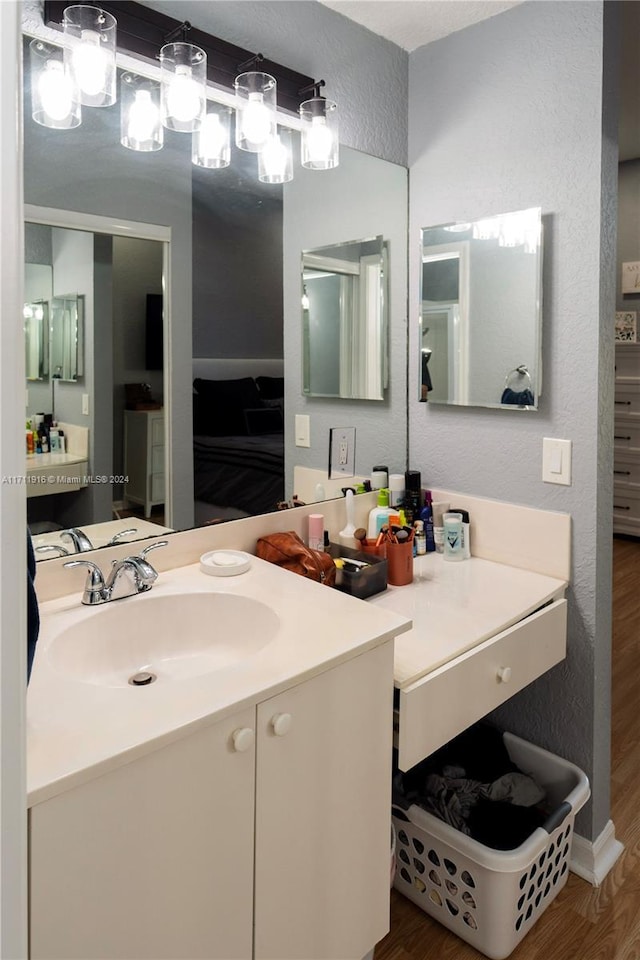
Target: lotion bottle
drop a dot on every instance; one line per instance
(379, 515)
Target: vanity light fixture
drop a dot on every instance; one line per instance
(305, 297)
(55, 98)
(90, 53)
(256, 111)
(319, 143)
(275, 160)
(140, 126)
(183, 85)
(211, 144)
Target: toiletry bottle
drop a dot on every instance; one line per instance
(438, 509)
(62, 442)
(426, 515)
(420, 539)
(466, 538)
(453, 536)
(396, 489)
(346, 535)
(379, 477)
(30, 445)
(379, 515)
(315, 539)
(53, 440)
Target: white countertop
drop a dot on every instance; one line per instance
(455, 606)
(77, 730)
(45, 461)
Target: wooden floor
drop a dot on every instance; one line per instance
(583, 922)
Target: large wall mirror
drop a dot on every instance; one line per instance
(225, 282)
(480, 318)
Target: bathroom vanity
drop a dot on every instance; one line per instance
(211, 814)
(244, 812)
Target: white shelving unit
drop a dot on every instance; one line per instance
(626, 497)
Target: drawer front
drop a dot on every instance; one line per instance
(157, 430)
(626, 503)
(626, 435)
(626, 471)
(627, 401)
(454, 696)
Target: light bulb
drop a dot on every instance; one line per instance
(305, 300)
(274, 157)
(256, 119)
(55, 90)
(183, 95)
(90, 63)
(27, 312)
(319, 140)
(143, 117)
(213, 136)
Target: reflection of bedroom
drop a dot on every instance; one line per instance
(237, 343)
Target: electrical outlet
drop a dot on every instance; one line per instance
(342, 452)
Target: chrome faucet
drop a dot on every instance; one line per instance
(127, 577)
(53, 548)
(78, 538)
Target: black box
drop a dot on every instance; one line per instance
(361, 582)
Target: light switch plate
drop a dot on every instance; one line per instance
(556, 461)
(85, 404)
(342, 452)
(303, 430)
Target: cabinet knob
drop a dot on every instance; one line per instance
(504, 674)
(243, 739)
(281, 723)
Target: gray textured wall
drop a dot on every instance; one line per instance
(505, 115)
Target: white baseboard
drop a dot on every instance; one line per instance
(592, 860)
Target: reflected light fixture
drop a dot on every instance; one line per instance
(319, 144)
(275, 160)
(184, 86)
(256, 112)
(90, 53)
(55, 98)
(211, 146)
(140, 126)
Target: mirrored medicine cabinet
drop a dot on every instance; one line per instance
(480, 318)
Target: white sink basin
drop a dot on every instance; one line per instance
(172, 637)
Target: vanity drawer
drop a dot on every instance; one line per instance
(628, 360)
(626, 472)
(626, 435)
(157, 487)
(627, 400)
(457, 694)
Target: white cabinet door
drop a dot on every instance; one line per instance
(153, 859)
(323, 794)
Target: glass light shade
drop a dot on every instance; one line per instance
(90, 53)
(211, 145)
(275, 160)
(319, 143)
(55, 98)
(140, 126)
(183, 77)
(255, 111)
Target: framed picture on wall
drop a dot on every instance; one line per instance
(626, 325)
(631, 277)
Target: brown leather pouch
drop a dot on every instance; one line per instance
(288, 551)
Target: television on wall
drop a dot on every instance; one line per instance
(154, 332)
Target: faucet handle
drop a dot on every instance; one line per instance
(94, 584)
(123, 533)
(153, 546)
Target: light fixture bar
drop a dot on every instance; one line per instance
(143, 32)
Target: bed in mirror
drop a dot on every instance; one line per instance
(481, 317)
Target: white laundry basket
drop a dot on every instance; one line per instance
(492, 898)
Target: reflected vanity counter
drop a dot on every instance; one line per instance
(49, 473)
(102, 534)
